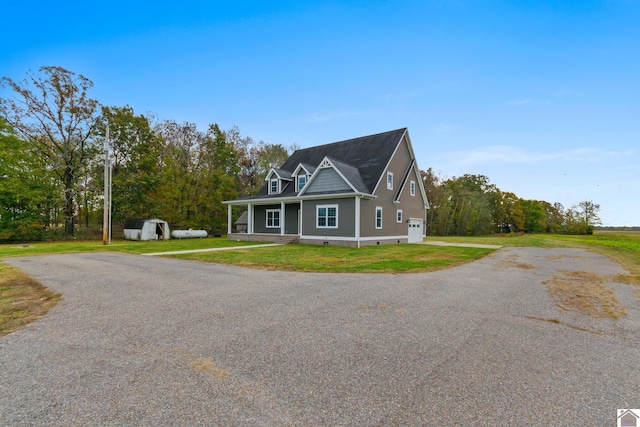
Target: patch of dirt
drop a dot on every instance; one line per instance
(199, 364)
(22, 300)
(559, 257)
(512, 263)
(205, 365)
(586, 293)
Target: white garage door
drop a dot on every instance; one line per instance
(415, 230)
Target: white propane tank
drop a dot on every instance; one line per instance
(188, 234)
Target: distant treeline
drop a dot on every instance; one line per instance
(471, 205)
(606, 228)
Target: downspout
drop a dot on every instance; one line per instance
(282, 218)
(357, 224)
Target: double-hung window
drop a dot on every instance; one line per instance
(274, 187)
(273, 218)
(302, 180)
(399, 215)
(327, 216)
(378, 217)
(389, 180)
(412, 188)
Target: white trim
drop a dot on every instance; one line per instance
(297, 169)
(306, 179)
(389, 184)
(272, 200)
(375, 220)
(412, 188)
(357, 217)
(277, 181)
(324, 164)
(353, 239)
(282, 218)
(266, 218)
(399, 216)
(327, 207)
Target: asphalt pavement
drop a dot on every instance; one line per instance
(158, 341)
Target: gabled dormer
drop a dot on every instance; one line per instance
(301, 175)
(277, 180)
(334, 176)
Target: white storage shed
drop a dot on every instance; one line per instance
(146, 229)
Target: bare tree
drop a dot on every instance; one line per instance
(53, 112)
(587, 211)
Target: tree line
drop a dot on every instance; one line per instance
(52, 162)
(471, 205)
(52, 151)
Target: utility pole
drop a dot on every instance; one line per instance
(106, 218)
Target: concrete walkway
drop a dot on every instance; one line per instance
(227, 248)
(462, 245)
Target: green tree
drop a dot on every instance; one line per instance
(26, 187)
(199, 171)
(507, 212)
(135, 150)
(53, 112)
(585, 214)
(555, 217)
(535, 216)
(436, 197)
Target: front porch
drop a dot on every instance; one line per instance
(267, 221)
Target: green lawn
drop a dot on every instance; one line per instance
(386, 258)
(18, 249)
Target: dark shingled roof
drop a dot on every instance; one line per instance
(363, 160)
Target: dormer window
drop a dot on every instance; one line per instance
(302, 180)
(274, 186)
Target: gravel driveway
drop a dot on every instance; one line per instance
(157, 341)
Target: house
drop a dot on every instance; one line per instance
(628, 418)
(146, 229)
(362, 191)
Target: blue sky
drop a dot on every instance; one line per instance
(543, 97)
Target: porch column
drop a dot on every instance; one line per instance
(249, 218)
(282, 218)
(357, 236)
(228, 219)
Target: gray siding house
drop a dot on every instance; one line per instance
(362, 191)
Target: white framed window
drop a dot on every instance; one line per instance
(327, 216)
(274, 187)
(399, 215)
(389, 180)
(378, 217)
(302, 180)
(412, 188)
(273, 218)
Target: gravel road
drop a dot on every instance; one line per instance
(156, 341)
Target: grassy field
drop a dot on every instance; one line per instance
(23, 299)
(370, 259)
(622, 247)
